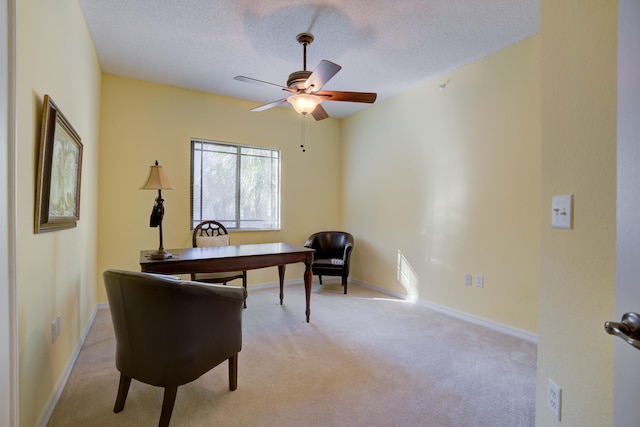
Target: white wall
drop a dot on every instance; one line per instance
(8, 414)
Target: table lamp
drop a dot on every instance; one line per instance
(158, 181)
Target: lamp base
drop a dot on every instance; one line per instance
(159, 254)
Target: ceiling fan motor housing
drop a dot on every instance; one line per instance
(297, 79)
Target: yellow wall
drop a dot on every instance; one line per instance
(452, 181)
(56, 271)
(142, 122)
(577, 283)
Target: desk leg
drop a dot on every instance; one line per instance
(281, 269)
(307, 286)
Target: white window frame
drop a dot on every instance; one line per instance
(198, 146)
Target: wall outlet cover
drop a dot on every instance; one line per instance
(554, 398)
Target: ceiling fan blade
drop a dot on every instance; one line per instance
(333, 95)
(261, 83)
(321, 75)
(270, 105)
(319, 113)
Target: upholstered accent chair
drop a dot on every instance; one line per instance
(333, 254)
(212, 233)
(170, 332)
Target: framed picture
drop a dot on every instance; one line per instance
(59, 170)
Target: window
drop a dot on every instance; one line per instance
(236, 185)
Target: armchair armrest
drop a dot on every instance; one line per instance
(347, 252)
(207, 290)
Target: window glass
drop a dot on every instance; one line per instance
(236, 185)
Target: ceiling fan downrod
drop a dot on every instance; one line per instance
(304, 39)
(298, 78)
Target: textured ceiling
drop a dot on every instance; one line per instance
(383, 46)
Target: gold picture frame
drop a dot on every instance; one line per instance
(59, 171)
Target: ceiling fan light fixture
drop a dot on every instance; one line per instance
(304, 103)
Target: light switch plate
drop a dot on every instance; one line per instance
(562, 211)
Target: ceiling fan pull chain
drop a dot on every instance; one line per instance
(304, 133)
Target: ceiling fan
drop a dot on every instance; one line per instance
(305, 87)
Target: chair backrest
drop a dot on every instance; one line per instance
(210, 233)
(330, 244)
(168, 331)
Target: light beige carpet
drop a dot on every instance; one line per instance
(365, 359)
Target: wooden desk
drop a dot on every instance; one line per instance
(220, 259)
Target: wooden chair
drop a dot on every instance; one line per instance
(333, 254)
(168, 331)
(212, 233)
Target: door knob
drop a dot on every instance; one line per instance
(628, 329)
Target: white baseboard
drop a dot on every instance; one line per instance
(55, 396)
(499, 327)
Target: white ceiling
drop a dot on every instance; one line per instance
(383, 46)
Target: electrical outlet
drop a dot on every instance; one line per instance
(480, 281)
(554, 398)
(467, 279)
(54, 331)
(56, 328)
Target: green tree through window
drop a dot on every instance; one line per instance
(235, 184)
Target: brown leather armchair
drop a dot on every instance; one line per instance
(213, 233)
(170, 332)
(333, 253)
